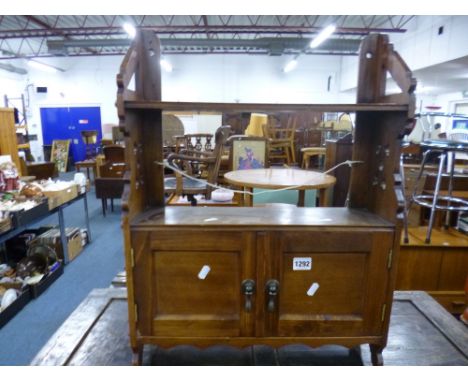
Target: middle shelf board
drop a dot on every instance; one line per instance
(263, 107)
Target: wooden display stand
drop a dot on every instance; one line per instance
(268, 276)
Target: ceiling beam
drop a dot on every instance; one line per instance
(49, 27)
(187, 29)
(272, 46)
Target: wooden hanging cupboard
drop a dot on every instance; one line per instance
(243, 276)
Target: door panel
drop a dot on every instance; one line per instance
(55, 122)
(67, 123)
(196, 286)
(337, 277)
(201, 287)
(84, 118)
(334, 296)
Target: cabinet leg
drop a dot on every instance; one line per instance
(137, 357)
(376, 355)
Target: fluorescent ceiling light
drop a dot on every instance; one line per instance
(43, 67)
(322, 36)
(129, 29)
(290, 66)
(166, 65)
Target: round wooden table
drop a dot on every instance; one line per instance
(276, 178)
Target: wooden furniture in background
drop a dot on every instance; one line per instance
(114, 153)
(310, 152)
(199, 142)
(281, 140)
(111, 179)
(88, 164)
(108, 188)
(277, 178)
(440, 268)
(112, 170)
(59, 154)
(338, 151)
(237, 121)
(8, 142)
(90, 138)
(172, 127)
(39, 170)
(230, 275)
(106, 142)
(187, 160)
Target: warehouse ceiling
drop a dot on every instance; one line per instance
(48, 36)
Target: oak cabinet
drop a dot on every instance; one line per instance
(271, 283)
(273, 276)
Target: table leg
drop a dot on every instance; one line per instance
(248, 198)
(63, 236)
(104, 206)
(85, 199)
(301, 198)
(323, 197)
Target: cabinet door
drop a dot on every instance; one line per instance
(331, 283)
(188, 283)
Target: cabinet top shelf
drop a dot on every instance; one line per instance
(274, 216)
(262, 107)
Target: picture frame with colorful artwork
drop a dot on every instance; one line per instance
(59, 154)
(248, 152)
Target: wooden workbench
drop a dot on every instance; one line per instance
(421, 333)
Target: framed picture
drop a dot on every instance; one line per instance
(249, 153)
(59, 154)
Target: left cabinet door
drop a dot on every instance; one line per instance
(188, 283)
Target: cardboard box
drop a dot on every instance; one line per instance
(5, 225)
(57, 198)
(74, 240)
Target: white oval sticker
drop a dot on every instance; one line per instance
(204, 272)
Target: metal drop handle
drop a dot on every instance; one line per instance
(248, 289)
(272, 289)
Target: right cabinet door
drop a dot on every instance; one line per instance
(329, 283)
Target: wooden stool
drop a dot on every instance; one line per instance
(309, 152)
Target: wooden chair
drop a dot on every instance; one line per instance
(202, 164)
(281, 140)
(199, 142)
(114, 153)
(110, 183)
(109, 188)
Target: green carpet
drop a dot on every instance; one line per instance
(284, 196)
